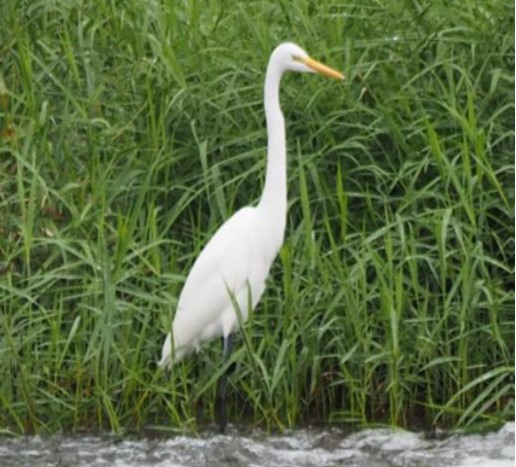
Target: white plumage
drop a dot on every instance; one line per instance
(235, 263)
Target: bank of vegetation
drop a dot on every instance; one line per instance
(129, 131)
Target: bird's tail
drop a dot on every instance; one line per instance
(170, 355)
(166, 361)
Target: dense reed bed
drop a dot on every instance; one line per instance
(131, 130)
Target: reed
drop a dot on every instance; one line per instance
(131, 130)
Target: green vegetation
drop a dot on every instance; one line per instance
(131, 130)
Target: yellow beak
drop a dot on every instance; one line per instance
(320, 68)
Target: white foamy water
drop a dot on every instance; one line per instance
(303, 448)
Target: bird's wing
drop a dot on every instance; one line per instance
(222, 266)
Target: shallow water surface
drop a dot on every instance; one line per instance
(303, 448)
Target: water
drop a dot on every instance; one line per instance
(303, 448)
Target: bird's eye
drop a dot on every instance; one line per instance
(296, 58)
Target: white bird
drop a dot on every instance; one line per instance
(228, 277)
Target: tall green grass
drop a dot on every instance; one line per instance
(131, 130)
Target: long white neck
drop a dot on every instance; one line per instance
(274, 197)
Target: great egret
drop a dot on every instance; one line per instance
(228, 277)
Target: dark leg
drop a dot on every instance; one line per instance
(220, 402)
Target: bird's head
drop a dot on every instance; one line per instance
(290, 56)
